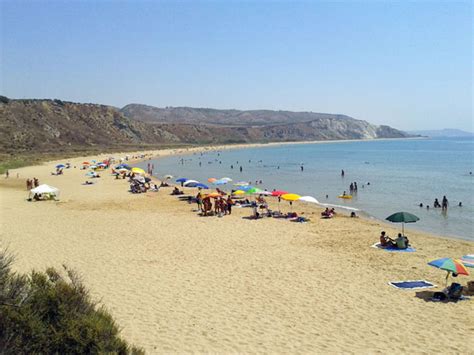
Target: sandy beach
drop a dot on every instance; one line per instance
(177, 282)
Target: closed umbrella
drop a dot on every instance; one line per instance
(402, 217)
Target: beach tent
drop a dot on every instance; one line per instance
(45, 189)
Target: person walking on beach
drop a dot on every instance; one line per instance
(444, 203)
(302, 168)
(7, 174)
(241, 168)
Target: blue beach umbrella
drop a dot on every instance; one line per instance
(123, 166)
(182, 180)
(246, 188)
(59, 166)
(202, 186)
(220, 182)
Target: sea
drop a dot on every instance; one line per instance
(391, 175)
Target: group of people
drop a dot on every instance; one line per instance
(222, 205)
(401, 242)
(443, 205)
(328, 213)
(353, 187)
(32, 183)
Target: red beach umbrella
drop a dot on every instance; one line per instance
(279, 192)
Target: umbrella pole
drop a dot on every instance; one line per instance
(403, 229)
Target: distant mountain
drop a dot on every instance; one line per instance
(446, 132)
(55, 126)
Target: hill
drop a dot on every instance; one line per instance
(54, 126)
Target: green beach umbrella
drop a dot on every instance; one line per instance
(402, 217)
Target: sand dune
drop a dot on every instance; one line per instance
(177, 282)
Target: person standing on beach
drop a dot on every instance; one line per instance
(35, 182)
(302, 168)
(444, 203)
(7, 174)
(342, 172)
(241, 168)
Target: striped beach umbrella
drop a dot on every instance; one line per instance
(454, 266)
(468, 260)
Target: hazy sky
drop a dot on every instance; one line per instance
(407, 64)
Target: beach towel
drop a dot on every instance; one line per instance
(411, 284)
(394, 249)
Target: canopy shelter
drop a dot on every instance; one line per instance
(44, 190)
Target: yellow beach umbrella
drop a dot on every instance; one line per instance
(239, 192)
(138, 171)
(290, 197)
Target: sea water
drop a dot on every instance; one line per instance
(392, 176)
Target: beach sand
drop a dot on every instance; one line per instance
(177, 282)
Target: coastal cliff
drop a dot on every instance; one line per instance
(47, 126)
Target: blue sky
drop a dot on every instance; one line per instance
(406, 64)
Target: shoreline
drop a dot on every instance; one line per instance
(176, 282)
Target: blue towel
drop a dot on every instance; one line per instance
(394, 249)
(409, 285)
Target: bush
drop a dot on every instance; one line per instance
(4, 99)
(51, 313)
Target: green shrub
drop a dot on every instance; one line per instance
(46, 312)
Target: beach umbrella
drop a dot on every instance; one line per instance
(123, 166)
(93, 166)
(402, 217)
(279, 192)
(241, 183)
(253, 190)
(226, 179)
(91, 173)
(246, 188)
(290, 197)
(450, 265)
(263, 192)
(213, 195)
(220, 182)
(309, 199)
(138, 171)
(122, 170)
(59, 166)
(202, 186)
(468, 260)
(211, 180)
(239, 192)
(85, 163)
(190, 183)
(181, 180)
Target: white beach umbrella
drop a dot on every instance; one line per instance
(309, 199)
(241, 183)
(190, 182)
(226, 179)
